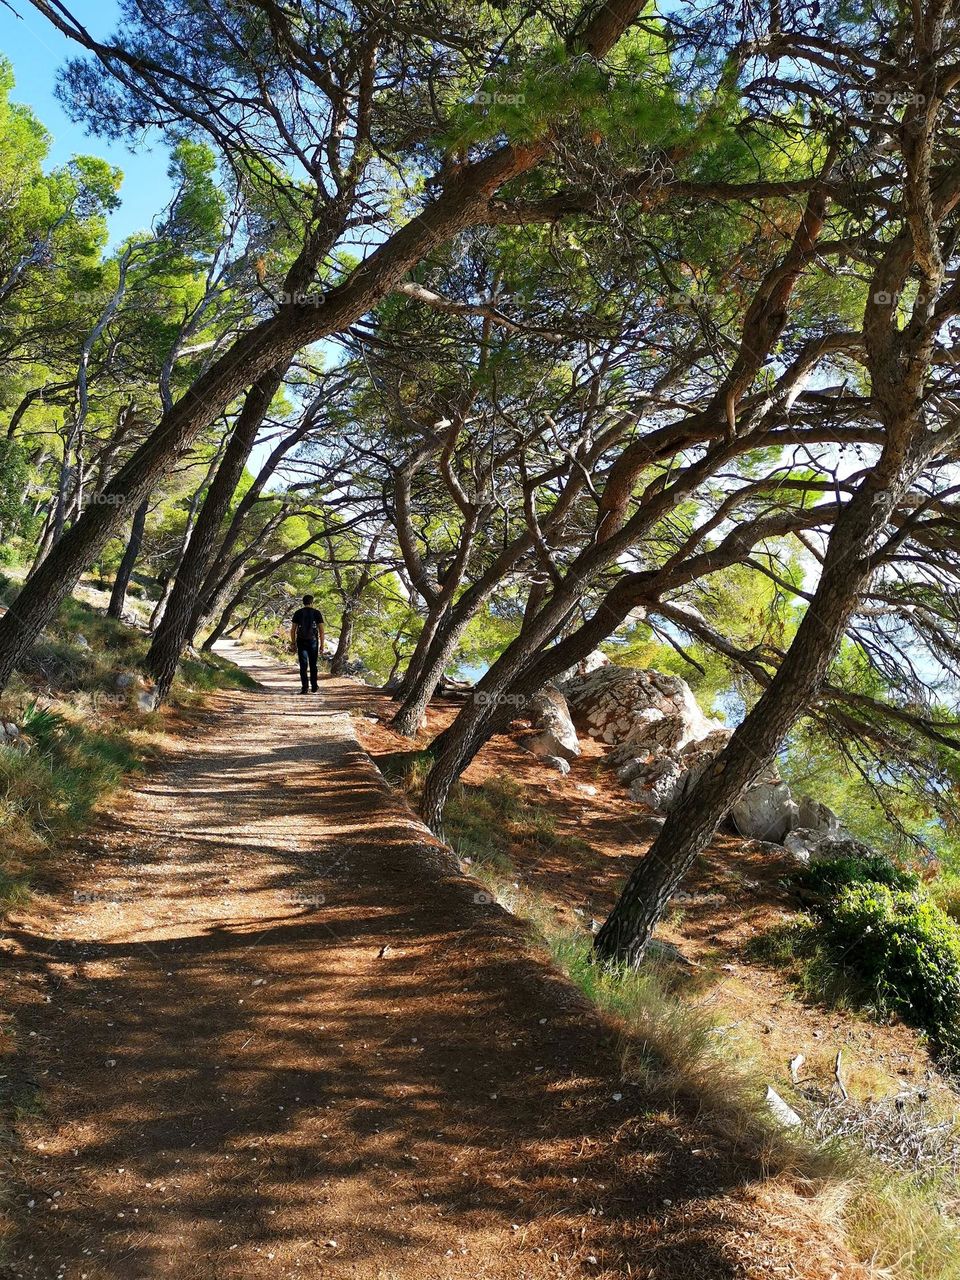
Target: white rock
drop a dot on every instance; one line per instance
(802, 843)
(549, 713)
(782, 1112)
(766, 811)
(658, 784)
(615, 701)
(817, 817)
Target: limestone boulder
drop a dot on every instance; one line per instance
(612, 702)
(700, 750)
(766, 811)
(658, 784)
(638, 740)
(816, 816)
(802, 843)
(549, 714)
(592, 662)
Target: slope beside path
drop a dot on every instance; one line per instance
(267, 1030)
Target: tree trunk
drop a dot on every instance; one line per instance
(418, 657)
(193, 507)
(174, 630)
(222, 573)
(118, 595)
(230, 608)
(227, 600)
(341, 654)
(409, 717)
(692, 823)
(493, 701)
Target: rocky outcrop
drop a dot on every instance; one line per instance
(549, 713)
(658, 783)
(659, 736)
(808, 844)
(661, 741)
(612, 704)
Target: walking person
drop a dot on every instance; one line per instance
(306, 640)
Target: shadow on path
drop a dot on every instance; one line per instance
(275, 1034)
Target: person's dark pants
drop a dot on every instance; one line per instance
(308, 655)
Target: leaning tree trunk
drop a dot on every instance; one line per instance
(418, 657)
(192, 508)
(223, 622)
(341, 655)
(692, 823)
(118, 595)
(491, 702)
(228, 598)
(409, 717)
(173, 633)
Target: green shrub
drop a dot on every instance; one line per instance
(828, 876)
(907, 948)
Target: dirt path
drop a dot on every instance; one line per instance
(234, 1079)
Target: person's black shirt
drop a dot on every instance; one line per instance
(308, 622)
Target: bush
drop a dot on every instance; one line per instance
(828, 876)
(874, 938)
(907, 948)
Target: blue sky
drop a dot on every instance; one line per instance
(37, 51)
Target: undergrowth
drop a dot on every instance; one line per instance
(900, 1221)
(875, 939)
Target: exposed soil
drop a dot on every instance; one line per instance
(264, 1028)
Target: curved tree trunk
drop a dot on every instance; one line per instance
(118, 595)
(341, 656)
(227, 599)
(692, 823)
(490, 703)
(223, 622)
(173, 633)
(418, 657)
(409, 717)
